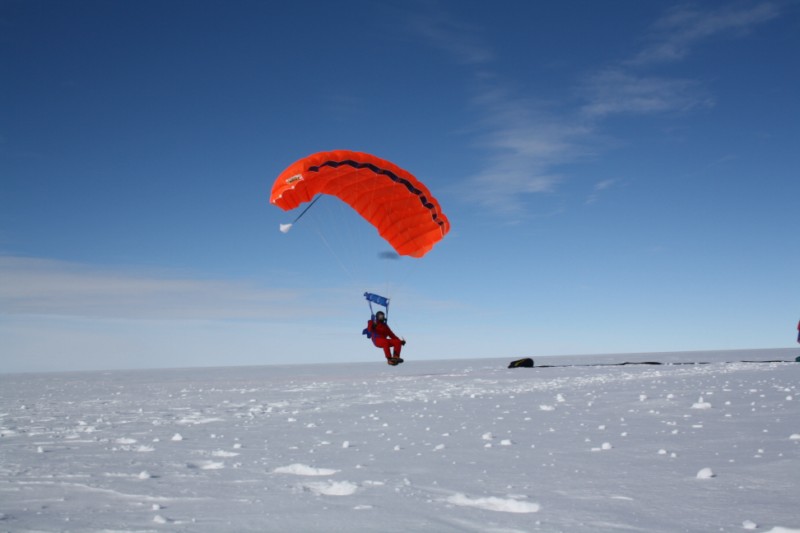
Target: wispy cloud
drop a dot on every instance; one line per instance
(526, 141)
(524, 147)
(682, 28)
(615, 91)
(446, 32)
(598, 189)
(30, 286)
(522, 141)
(603, 185)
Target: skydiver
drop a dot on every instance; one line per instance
(383, 337)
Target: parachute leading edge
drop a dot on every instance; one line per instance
(397, 204)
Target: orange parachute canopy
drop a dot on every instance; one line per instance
(401, 208)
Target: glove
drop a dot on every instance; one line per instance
(403, 342)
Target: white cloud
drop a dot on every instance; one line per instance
(526, 141)
(683, 27)
(450, 34)
(615, 91)
(598, 189)
(605, 184)
(30, 286)
(524, 147)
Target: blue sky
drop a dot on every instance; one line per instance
(619, 177)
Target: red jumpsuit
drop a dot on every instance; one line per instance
(384, 337)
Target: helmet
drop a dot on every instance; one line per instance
(380, 316)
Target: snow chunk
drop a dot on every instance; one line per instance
(749, 524)
(705, 473)
(223, 453)
(196, 419)
(207, 465)
(177, 437)
(299, 469)
(503, 505)
(795, 436)
(332, 488)
(701, 404)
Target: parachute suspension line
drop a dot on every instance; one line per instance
(286, 227)
(335, 255)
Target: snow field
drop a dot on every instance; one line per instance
(425, 446)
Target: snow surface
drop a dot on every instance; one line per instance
(425, 446)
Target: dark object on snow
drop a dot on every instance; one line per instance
(797, 359)
(620, 364)
(521, 363)
(657, 363)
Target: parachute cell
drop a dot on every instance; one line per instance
(400, 207)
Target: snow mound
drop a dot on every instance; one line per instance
(503, 505)
(299, 469)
